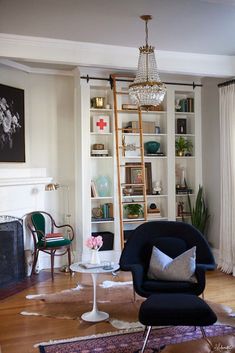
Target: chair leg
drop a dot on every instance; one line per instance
(69, 260)
(52, 264)
(206, 338)
(35, 259)
(146, 339)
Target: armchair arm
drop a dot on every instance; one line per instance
(34, 238)
(137, 271)
(71, 232)
(201, 279)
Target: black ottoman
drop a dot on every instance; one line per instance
(175, 310)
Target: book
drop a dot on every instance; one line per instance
(90, 266)
(93, 189)
(53, 237)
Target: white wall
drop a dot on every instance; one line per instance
(49, 132)
(211, 155)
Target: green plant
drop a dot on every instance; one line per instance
(134, 209)
(199, 213)
(183, 145)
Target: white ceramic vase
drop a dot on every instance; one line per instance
(95, 257)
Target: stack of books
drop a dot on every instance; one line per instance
(53, 237)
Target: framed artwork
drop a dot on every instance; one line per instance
(12, 130)
(181, 126)
(101, 124)
(134, 176)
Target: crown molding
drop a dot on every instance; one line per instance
(57, 51)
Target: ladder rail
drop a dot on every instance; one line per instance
(139, 132)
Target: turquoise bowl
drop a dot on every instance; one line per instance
(152, 147)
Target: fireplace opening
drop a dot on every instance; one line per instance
(12, 262)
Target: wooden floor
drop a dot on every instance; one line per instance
(18, 333)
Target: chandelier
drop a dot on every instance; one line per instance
(147, 89)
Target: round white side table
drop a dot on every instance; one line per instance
(94, 315)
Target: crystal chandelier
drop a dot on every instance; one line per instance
(147, 89)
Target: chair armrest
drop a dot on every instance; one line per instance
(137, 271)
(201, 279)
(42, 234)
(71, 237)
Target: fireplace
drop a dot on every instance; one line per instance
(12, 263)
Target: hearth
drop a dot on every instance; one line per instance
(12, 262)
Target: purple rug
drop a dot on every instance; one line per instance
(132, 341)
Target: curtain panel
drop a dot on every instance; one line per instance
(227, 184)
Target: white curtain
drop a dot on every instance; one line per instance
(227, 185)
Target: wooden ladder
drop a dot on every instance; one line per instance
(120, 155)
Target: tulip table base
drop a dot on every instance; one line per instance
(94, 315)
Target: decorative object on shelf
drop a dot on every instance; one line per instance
(157, 188)
(97, 102)
(97, 212)
(134, 210)
(148, 127)
(98, 146)
(181, 126)
(183, 147)
(55, 186)
(134, 176)
(129, 106)
(94, 243)
(101, 124)
(183, 190)
(94, 192)
(103, 186)
(108, 106)
(151, 147)
(99, 151)
(177, 105)
(128, 191)
(147, 89)
(199, 213)
(153, 208)
(157, 129)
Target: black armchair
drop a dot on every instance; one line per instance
(172, 238)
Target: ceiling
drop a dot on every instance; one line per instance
(193, 26)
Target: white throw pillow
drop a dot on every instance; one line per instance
(182, 268)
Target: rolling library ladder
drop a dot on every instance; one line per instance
(123, 184)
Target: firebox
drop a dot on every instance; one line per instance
(12, 263)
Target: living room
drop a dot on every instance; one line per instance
(45, 50)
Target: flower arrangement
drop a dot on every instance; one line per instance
(94, 243)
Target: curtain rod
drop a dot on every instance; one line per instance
(226, 83)
(88, 78)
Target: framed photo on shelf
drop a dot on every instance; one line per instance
(134, 176)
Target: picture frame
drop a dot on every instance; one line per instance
(181, 126)
(12, 126)
(134, 176)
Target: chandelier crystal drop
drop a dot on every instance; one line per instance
(147, 89)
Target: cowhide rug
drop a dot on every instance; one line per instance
(114, 297)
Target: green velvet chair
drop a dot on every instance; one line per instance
(42, 226)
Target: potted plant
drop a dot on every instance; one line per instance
(134, 210)
(182, 146)
(199, 213)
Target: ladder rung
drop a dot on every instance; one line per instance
(129, 129)
(126, 184)
(129, 203)
(136, 147)
(131, 165)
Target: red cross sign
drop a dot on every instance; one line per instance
(101, 123)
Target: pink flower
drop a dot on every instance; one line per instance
(94, 242)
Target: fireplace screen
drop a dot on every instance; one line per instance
(12, 264)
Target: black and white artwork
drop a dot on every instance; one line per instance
(12, 132)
